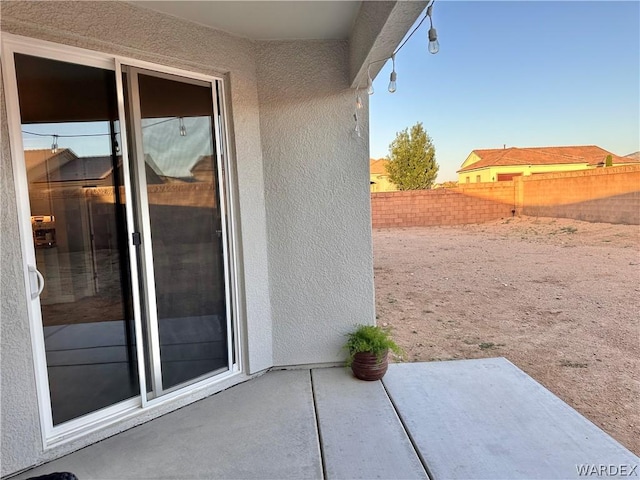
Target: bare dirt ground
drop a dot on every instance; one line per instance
(559, 298)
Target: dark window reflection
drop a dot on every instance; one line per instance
(178, 142)
(72, 142)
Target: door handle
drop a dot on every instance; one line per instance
(39, 283)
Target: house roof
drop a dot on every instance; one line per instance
(37, 157)
(378, 167)
(82, 168)
(634, 155)
(66, 166)
(589, 154)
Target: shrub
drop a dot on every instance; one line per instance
(370, 338)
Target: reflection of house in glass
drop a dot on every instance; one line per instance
(84, 289)
(79, 193)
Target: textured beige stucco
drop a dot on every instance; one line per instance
(19, 421)
(301, 189)
(121, 29)
(318, 204)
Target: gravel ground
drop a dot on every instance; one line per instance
(559, 298)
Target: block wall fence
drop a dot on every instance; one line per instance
(609, 195)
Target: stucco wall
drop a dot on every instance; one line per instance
(317, 197)
(18, 405)
(122, 29)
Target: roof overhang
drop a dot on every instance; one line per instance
(373, 28)
(267, 20)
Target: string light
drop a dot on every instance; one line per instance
(392, 78)
(433, 47)
(116, 146)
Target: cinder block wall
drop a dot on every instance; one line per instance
(609, 195)
(441, 207)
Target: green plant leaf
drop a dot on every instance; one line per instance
(370, 338)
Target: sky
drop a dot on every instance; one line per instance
(516, 73)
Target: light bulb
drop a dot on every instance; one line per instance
(54, 145)
(434, 46)
(392, 82)
(183, 129)
(358, 102)
(370, 86)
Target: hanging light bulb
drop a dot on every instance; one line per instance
(392, 78)
(358, 101)
(356, 129)
(183, 129)
(434, 46)
(116, 146)
(369, 81)
(392, 82)
(54, 144)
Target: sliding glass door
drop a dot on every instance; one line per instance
(70, 129)
(174, 154)
(115, 214)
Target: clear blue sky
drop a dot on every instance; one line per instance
(520, 73)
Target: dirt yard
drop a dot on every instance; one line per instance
(559, 298)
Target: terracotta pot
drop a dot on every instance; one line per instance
(366, 366)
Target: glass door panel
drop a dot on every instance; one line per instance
(176, 155)
(74, 172)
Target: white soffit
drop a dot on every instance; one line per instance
(266, 20)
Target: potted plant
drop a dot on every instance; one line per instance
(368, 347)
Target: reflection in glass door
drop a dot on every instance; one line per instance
(71, 137)
(91, 235)
(180, 217)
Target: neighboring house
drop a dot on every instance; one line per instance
(379, 178)
(494, 165)
(174, 278)
(635, 156)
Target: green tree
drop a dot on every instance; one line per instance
(609, 161)
(412, 159)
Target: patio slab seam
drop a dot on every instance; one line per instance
(408, 433)
(318, 430)
(361, 432)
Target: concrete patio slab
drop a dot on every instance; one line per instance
(487, 419)
(360, 432)
(264, 428)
